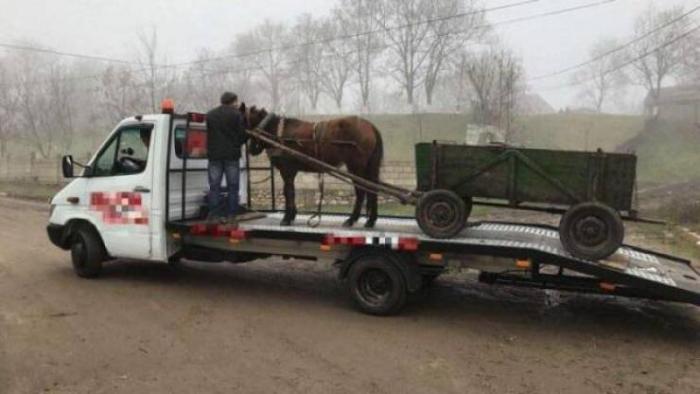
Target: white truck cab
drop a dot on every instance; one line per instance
(118, 202)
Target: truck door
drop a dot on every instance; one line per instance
(119, 192)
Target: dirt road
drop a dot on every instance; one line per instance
(275, 326)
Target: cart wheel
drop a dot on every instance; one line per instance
(468, 205)
(591, 230)
(441, 213)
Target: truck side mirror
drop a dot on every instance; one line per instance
(67, 166)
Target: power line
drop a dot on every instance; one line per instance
(68, 54)
(555, 12)
(535, 16)
(630, 61)
(617, 49)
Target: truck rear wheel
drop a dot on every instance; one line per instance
(441, 213)
(591, 230)
(87, 253)
(376, 285)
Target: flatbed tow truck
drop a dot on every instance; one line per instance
(141, 197)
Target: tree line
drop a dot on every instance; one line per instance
(364, 56)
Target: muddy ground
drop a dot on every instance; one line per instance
(274, 326)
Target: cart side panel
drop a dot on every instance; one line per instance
(423, 165)
(619, 177)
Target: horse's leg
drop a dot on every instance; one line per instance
(372, 211)
(372, 171)
(357, 208)
(290, 208)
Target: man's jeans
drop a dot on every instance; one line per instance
(217, 168)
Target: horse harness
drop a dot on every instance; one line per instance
(319, 130)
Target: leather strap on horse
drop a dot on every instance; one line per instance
(319, 131)
(315, 219)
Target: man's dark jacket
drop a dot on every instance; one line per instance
(225, 133)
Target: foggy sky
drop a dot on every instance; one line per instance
(110, 28)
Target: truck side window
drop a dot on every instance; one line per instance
(196, 143)
(125, 154)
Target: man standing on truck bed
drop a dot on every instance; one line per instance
(225, 136)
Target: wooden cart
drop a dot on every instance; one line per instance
(593, 190)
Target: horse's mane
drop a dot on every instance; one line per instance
(274, 122)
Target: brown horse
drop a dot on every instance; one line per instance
(352, 141)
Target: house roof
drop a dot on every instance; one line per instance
(676, 95)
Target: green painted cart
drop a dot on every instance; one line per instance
(593, 190)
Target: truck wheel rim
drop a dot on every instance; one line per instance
(591, 231)
(374, 286)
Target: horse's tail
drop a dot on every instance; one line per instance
(375, 160)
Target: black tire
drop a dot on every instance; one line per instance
(442, 213)
(591, 231)
(376, 285)
(87, 253)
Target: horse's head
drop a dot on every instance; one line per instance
(257, 119)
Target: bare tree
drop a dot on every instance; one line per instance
(158, 80)
(496, 77)
(690, 70)
(207, 77)
(359, 22)
(453, 90)
(336, 64)
(31, 70)
(307, 57)
(407, 40)
(148, 52)
(601, 78)
(265, 46)
(119, 93)
(447, 35)
(61, 91)
(8, 108)
(657, 56)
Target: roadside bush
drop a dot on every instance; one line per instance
(681, 210)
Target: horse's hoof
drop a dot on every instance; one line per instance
(370, 224)
(349, 223)
(286, 222)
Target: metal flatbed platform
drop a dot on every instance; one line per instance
(631, 271)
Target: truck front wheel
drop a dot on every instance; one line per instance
(376, 285)
(87, 253)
